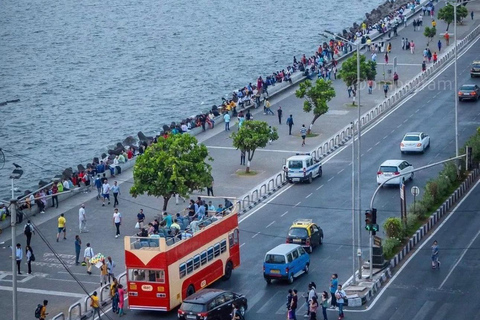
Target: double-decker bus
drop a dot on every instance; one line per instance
(162, 271)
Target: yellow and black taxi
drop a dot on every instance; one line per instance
(305, 233)
(475, 70)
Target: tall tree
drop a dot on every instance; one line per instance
(348, 72)
(447, 14)
(316, 97)
(172, 165)
(251, 136)
(429, 33)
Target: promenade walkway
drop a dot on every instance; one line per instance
(50, 281)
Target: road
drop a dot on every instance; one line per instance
(327, 200)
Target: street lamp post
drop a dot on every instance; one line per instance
(455, 81)
(16, 174)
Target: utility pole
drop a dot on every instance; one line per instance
(13, 223)
(359, 167)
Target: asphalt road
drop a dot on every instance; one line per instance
(327, 201)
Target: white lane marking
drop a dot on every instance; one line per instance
(392, 131)
(297, 204)
(320, 187)
(308, 196)
(270, 224)
(385, 137)
(331, 179)
(415, 252)
(266, 203)
(399, 126)
(437, 155)
(46, 292)
(256, 234)
(460, 259)
(341, 171)
(242, 244)
(284, 213)
(376, 144)
(369, 150)
(405, 121)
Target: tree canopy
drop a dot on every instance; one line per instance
(447, 14)
(348, 72)
(316, 97)
(251, 136)
(429, 33)
(175, 164)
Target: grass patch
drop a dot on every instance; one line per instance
(351, 105)
(242, 173)
(383, 82)
(312, 134)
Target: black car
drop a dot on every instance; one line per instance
(305, 233)
(211, 304)
(469, 92)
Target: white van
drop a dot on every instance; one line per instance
(302, 167)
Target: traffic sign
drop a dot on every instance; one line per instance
(415, 191)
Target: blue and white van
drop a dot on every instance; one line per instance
(302, 167)
(286, 261)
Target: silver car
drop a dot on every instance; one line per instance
(415, 142)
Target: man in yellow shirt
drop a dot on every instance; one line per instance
(62, 227)
(95, 304)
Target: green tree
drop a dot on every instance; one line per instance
(393, 227)
(316, 97)
(348, 72)
(251, 136)
(429, 33)
(172, 165)
(447, 14)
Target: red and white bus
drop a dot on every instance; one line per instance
(163, 271)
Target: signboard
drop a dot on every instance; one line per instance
(415, 191)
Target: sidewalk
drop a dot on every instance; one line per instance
(49, 276)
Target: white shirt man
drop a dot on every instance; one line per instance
(66, 185)
(82, 219)
(117, 221)
(106, 192)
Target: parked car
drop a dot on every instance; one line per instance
(469, 92)
(212, 304)
(392, 168)
(415, 142)
(305, 233)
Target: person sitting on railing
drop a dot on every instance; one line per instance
(211, 209)
(194, 226)
(200, 214)
(143, 233)
(39, 202)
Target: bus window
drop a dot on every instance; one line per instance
(217, 249)
(136, 275)
(189, 266)
(196, 262)
(223, 246)
(183, 270)
(233, 238)
(152, 275)
(230, 239)
(203, 257)
(210, 253)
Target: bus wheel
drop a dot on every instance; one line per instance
(228, 270)
(190, 290)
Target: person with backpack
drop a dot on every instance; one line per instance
(340, 295)
(30, 257)
(28, 231)
(41, 311)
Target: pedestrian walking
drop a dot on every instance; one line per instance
(268, 108)
(78, 248)
(471, 14)
(309, 296)
(210, 187)
(103, 273)
(395, 79)
(54, 192)
(18, 256)
(114, 295)
(140, 219)
(28, 231)
(370, 86)
(303, 133)
(242, 157)
(435, 57)
(98, 185)
(313, 307)
(289, 298)
(116, 192)
(106, 192)
(333, 289)
(435, 251)
(341, 296)
(43, 311)
(62, 227)
(385, 88)
(403, 44)
(87, 255)
(226, 119)
(121, 300)
(95, 304)
(30, 257)
(82, 219)
(386, 57)
(294, 304)
(414, 25)
(439, 44)
(110, 268)
(290, 124)
(447, 39)
(324, 304)
(412, 47)
(424, 66)
(280, 114)
(117, 221)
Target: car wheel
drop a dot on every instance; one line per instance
(411, 176)
(310, 249)
(403, 152)
(320, 173)
(310, 179)
(228, 270)
(290, 278)
(307, 267)
(321, 240)
(268, 280)
(460, 99)
(242, 310)
(190, 290)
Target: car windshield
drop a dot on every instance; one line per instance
(192, 307)
(388, 169)
(295, 164)
(274, 258)
(298, 232)
(467, 87)
(476, 65)
(411, 138)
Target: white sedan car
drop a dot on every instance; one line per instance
(394, 172)
(415, 142)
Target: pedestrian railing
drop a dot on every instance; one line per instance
(74, 306)
(59, 316)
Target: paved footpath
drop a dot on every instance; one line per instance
(50, 280)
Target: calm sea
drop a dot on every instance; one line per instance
(89, 73)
